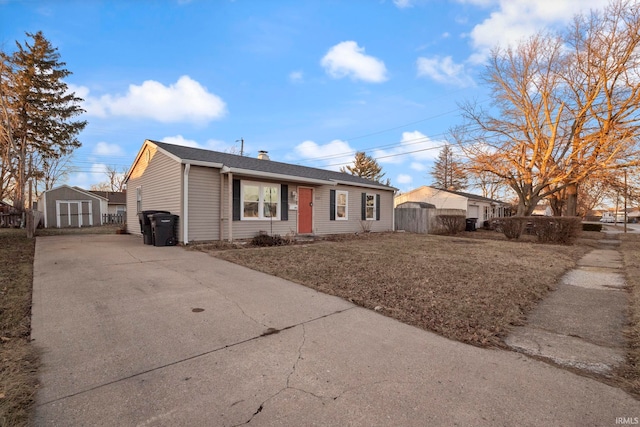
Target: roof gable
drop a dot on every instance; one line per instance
(267, 167)
(78, 189)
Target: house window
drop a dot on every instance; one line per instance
(342, 199)
(139, 199)
(260, 200)
(371, 207)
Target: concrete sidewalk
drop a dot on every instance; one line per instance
(580, 324)
(134, 335)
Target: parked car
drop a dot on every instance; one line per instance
(607, 219)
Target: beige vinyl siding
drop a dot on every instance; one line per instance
(160, 179)
(323, 224)
(249, 228)
(204, 204)
(70, 194)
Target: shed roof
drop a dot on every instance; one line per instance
(233, 161)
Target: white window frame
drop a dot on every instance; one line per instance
(346, 205)
(261, 186)
(366, 207)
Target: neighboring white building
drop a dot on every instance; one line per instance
(481, 208)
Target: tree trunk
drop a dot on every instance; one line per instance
(572, 200)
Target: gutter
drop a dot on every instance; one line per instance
(185, 207)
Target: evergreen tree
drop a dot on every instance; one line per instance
(36, 120)
(366, 167)
(448, 173)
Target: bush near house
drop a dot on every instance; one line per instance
(591, 227)
(557, 230)
(451, 224)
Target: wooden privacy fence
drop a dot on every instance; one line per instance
(113, 218)
(416, 219)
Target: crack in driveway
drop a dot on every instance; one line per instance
(177, 362)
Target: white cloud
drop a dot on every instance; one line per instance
(296, 77)
(418, 166)
(404, 179)
(444, 70)
(347, 59)
(514, 20)
(414, 145)
(106, 149)
(402, 4)
(180, 140)
(331, 155)
(183, 101)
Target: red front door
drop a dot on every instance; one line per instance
(305, 210)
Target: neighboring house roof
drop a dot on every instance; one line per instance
(471, 196)
(267, 168)
(113, 197)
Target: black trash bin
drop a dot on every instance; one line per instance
(145, 225)
(471, 224)
(163, 229)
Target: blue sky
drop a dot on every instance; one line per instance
(310, 82)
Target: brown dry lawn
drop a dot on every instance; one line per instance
(470, 290)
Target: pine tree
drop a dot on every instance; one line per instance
(366, 167)
(37, 113)
(448, 173)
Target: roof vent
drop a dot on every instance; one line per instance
(263, 155)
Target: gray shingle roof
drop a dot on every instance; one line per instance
(471, 196)
(113, 197)
(268, 166)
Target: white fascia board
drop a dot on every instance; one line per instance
(201, 163)
(277, 176)
(357, 184)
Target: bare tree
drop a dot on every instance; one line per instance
(115, 180)
(567, 108)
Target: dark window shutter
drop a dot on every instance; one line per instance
(377, 207)
(364, 206)
(332, 205)
(284, 201)
(236, 200)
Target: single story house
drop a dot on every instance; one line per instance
(116, 201)
(222, 196)
(66, 206)
(542, 209)
(481, 208)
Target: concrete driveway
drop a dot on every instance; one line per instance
(133, 335)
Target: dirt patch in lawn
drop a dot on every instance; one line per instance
(466, 289)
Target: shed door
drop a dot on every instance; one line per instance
(305, 210)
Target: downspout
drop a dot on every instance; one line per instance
(221, 222)
(230, 205)
(185, 208)
(44, 200)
